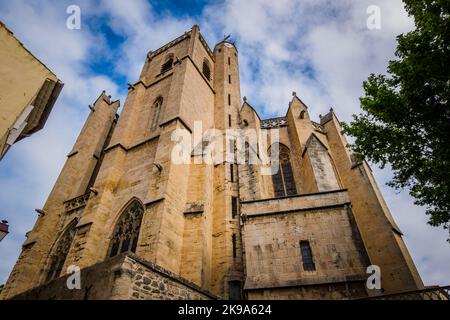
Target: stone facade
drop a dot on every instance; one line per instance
(125, 277)
(306, 231)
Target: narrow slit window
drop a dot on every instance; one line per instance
(229, 78)
(156, 112)
(231, 172)
(278, 187)
(231, 146)
(59, 254)
(234, 207)
(229, 99)
(229, 61)
(233, 239)
(307, 257)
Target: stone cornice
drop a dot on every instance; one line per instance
(166, 122)
(184, 36)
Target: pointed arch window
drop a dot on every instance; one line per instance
(167, 65)
(283, 181)
(59, 255)
(126, 232)
(157, 105)
(206, 69)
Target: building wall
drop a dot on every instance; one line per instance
(125, 277)
(380, 234)
(21, 78)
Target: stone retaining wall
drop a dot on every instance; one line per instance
(125, 277)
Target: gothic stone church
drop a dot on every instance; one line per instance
(140, 226)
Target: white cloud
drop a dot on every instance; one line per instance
(143, 30)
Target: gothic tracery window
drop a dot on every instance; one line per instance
(126, 232)
(157, 105)
(59, 254)
(283, 180)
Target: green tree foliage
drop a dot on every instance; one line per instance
(406, 115)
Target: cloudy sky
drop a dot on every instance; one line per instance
(322, 49)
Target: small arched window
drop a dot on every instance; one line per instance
(157, 105)
(168, 62)
(126, 232)
(302, 114)
(206, 69)
(59, 254)
(283, 180)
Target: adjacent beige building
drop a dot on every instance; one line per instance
(140, 225)
(28, 91)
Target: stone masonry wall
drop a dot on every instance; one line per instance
(335, 291)
(150, 282)
(272, 238)
(124, 277)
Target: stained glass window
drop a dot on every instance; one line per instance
(283, 180)
(126, 232)
(59, 254)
